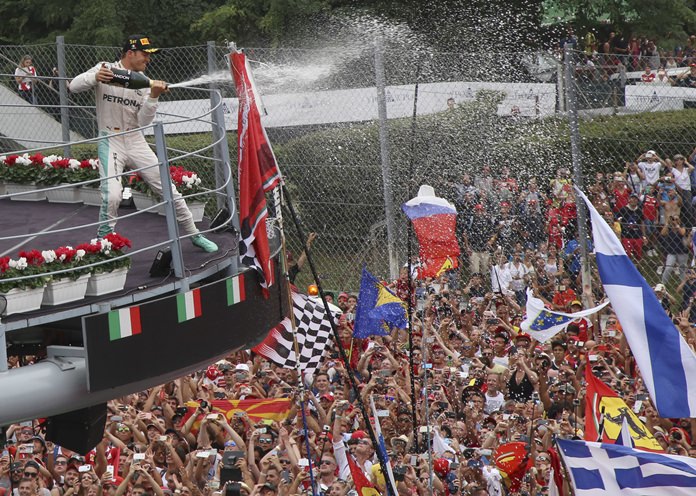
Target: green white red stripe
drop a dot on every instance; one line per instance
(235, 290)
(188, 305)
(124, 322)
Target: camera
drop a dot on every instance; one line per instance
(399, 473)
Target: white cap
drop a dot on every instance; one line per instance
(659, 287)
(242, 366)
(650, 153)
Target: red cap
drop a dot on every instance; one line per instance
(523, 335)
(478, 206)
(327, 396)
(441, 466)
(358, 435)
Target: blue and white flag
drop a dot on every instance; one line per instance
(381, 445)
(666, 362)
(598, 469)
(542, 324)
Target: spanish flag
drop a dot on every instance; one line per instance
(276, 409)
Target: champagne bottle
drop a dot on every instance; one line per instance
(130, 79)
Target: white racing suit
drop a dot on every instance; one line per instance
(121, 109)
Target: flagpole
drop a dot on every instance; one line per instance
(349, 372)
(409, 255)
(277, 197)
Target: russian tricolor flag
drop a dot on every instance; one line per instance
(434, 220)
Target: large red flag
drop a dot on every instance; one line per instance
(257, 409)
(604, 414)
(258, 174)
(362, 484)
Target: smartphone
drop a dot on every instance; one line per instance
(454, 467)
(262, 430)
(138, 457)
(485, 452)
(303, 462)
(203, 454)
(116, 418)
(84, 468)
(414, 460)
(423, 429)
(642, 397)
(238, 414)
(214, 485)
(592, 358)
(285, 476)
(164, 439)
(212, 416)
(382, 413)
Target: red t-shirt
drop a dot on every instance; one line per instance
(650, 206)
(621, 198)
(563, 298)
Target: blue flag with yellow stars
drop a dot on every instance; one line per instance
(378, 309)
(542, 324)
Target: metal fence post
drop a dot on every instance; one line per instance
(218, 126)
(380, 80)
(576, 154)
(170, 210)
(63, 95)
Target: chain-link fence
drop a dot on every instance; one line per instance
(490, 133)
(638, 155)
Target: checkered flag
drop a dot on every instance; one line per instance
(313, 335)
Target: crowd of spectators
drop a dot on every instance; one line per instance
(616, 52)
(477, 380)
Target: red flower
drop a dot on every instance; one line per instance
(68, 252)
(33, 257)
(134, 178)
(11, 159)
(117, 241)
(89, 248)
(61, 164)
(37, 159)
(4, 264)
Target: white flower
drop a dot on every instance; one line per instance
(50, 159)
(23, 160)
(19, 264)
(94, 162)
(74, 164)
(50, 256)
(3, 158)
(95, 242)
(105, 246)
(79, 254)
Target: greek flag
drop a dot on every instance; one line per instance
(666, 362)
(598, 469)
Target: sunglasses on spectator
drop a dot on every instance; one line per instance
(542, 459)
(284, 461)
(60, 462)
(31, 474)
(265, 440)
(327, 462)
